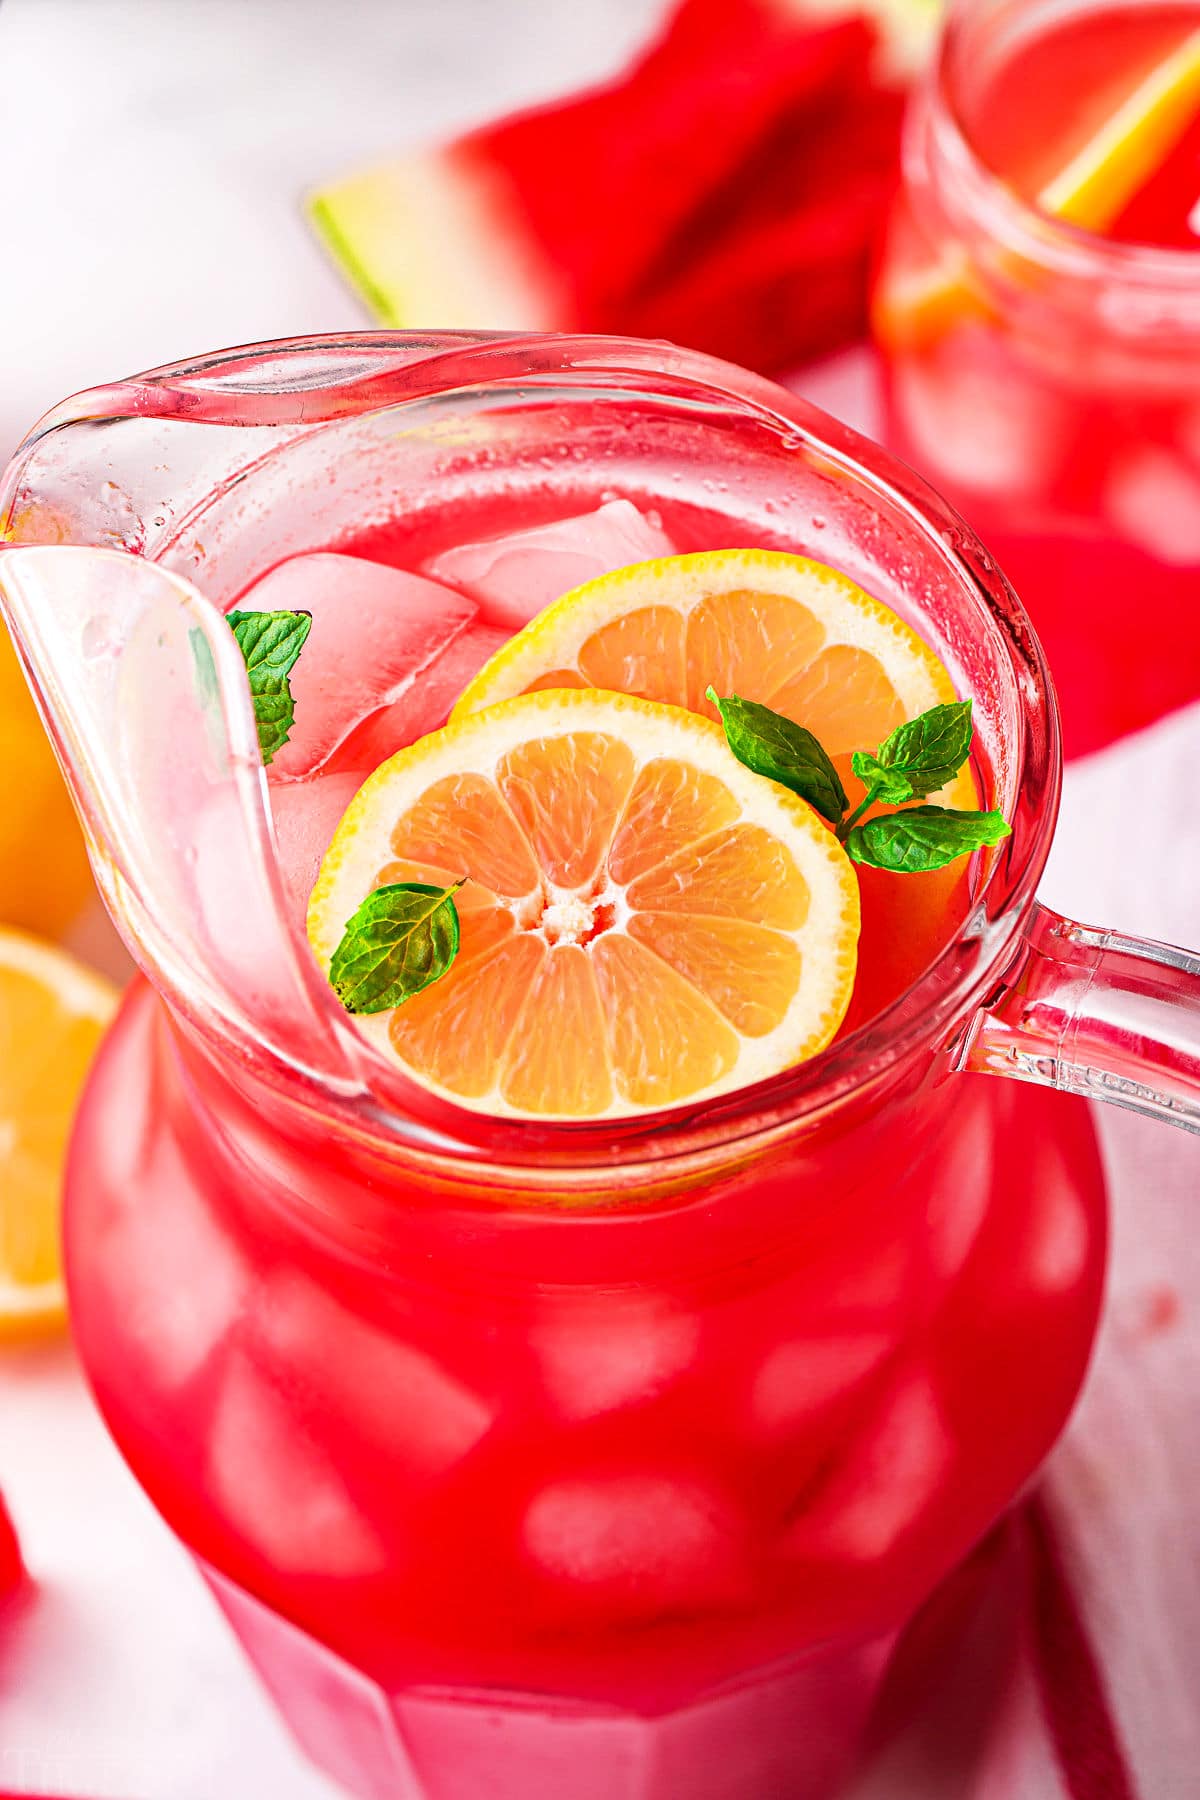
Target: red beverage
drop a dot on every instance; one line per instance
(595, 1460)
(12, 1569)
(1037, 309)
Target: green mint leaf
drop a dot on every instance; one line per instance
(923, 838)
(270, 642)
(773, 746)
(929, 750)
(274, 715)
(892, 786)
(402, 938)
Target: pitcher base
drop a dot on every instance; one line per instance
(789, 1734)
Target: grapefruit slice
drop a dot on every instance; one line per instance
(788, 632)
(645, 922)
(52, 1014)
(918, 300)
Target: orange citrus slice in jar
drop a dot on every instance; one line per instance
(1085, 171)
(644, 923)
(783, 630)
(53, 1012)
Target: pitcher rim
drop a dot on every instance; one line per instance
(944, 998)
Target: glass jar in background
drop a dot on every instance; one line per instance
(602, 1462)
(1037, 306)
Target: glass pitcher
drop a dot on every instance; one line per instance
(599, 1460)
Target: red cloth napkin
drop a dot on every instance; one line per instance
(724, 192)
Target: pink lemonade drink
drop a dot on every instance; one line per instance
(595, 1460)
(1038, 309)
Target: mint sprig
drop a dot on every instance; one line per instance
(400, 940)
(919, 838)
(783, 751)
(915, 760)
(270, 642)
(920, 757)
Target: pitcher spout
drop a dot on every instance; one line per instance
(142, 689)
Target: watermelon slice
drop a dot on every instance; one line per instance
(724, 190)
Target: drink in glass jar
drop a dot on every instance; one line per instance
(1037, 308)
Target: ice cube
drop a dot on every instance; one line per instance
(1154, 501)
(515, 576)
(901, 1458)
(961, 1203)
(424, 706)
(411, 1409)
(374, 630)
(175, 1284)
(980, 422)
(635, 1542)
(279, 1489)
(306, 815)
(1061, 1237)
(611, 1350)
(878, 1281)
(805, 1376)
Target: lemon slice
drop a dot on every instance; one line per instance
(52, 1014)
(784, 630)
(645, 921)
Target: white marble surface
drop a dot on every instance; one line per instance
(154, 151)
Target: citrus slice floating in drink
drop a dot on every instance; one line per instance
(52, 1014)
(1086, 176)
(784, 630)
(644, 923)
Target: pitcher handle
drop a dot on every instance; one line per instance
(1095, 1013)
